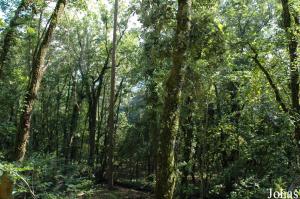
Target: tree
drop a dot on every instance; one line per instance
(199, 96)
(38, 69)
(111, 123)
(166, 174)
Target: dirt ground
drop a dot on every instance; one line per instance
(117, 193)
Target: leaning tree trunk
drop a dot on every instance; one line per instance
(166, 175)
(38, 69)
(289, 21)
(10, 34)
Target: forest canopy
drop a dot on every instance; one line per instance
(160, 99)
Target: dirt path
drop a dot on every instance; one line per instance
(118, 193)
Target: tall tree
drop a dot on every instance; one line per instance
(37, 72)
(166, 174)
(111, 124)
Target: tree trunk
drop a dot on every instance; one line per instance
(103, 156)
(38, 69)
(64, 124)
(111, 103)
(290, 20)
(6, 186)
(187, 131)
(101, 116)
(153, 98)
(118, 96)
(93, 103)
(93, 107)
(166, 175)
(72, 141)
(10, 34)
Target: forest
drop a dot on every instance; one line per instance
(141, 99)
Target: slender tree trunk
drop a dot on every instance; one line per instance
(64, 124)
(93, 107)
(166, 174)
(57, 124)
(111, 122)
(38, 69)
(67, 135)
(153, 125)
(153, 99)
(103, 160)
(101, 116)
(72, 139)
(104, 155)
(82, 139)
(228, 159)
(153, 120)
(187, 131)
(118, 96)
(93, 103)
(94, 92)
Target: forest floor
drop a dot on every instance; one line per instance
(118, 193)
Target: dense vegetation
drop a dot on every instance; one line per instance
(149, 98)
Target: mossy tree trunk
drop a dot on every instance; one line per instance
(166, 175)
(37, 72)
(291, 22)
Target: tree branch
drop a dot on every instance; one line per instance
(269, 78)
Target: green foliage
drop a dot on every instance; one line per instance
(49, 178)
(241, 141)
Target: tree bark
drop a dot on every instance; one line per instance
(271, 82)
(166, 175)
(111, 104)
(6, 186)
(38, 69)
